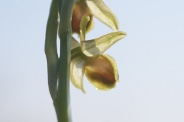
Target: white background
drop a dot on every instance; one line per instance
(150, 61)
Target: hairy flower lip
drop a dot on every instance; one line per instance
(100, 73)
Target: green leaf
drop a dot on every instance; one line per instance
(51, 48)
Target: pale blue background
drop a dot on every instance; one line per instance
(150, 61)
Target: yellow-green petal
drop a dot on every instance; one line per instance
(99, 45)
(77, 72)
(84, 21)
(103, 13)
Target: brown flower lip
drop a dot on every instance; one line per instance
(100, 72)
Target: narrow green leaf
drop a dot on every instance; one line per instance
(51, 48)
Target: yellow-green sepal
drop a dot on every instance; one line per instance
(103, 13)
(99, 45)
(77, 72)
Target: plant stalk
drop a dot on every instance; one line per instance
(62, 101)
(58, 69)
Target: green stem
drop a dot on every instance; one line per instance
(62, 102)
(58, 70)
(59, 88)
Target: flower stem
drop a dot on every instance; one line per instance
(62, 102)
(58, 69)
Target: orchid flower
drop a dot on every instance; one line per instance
(78, 58)
(88, 58)
(96, 8)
